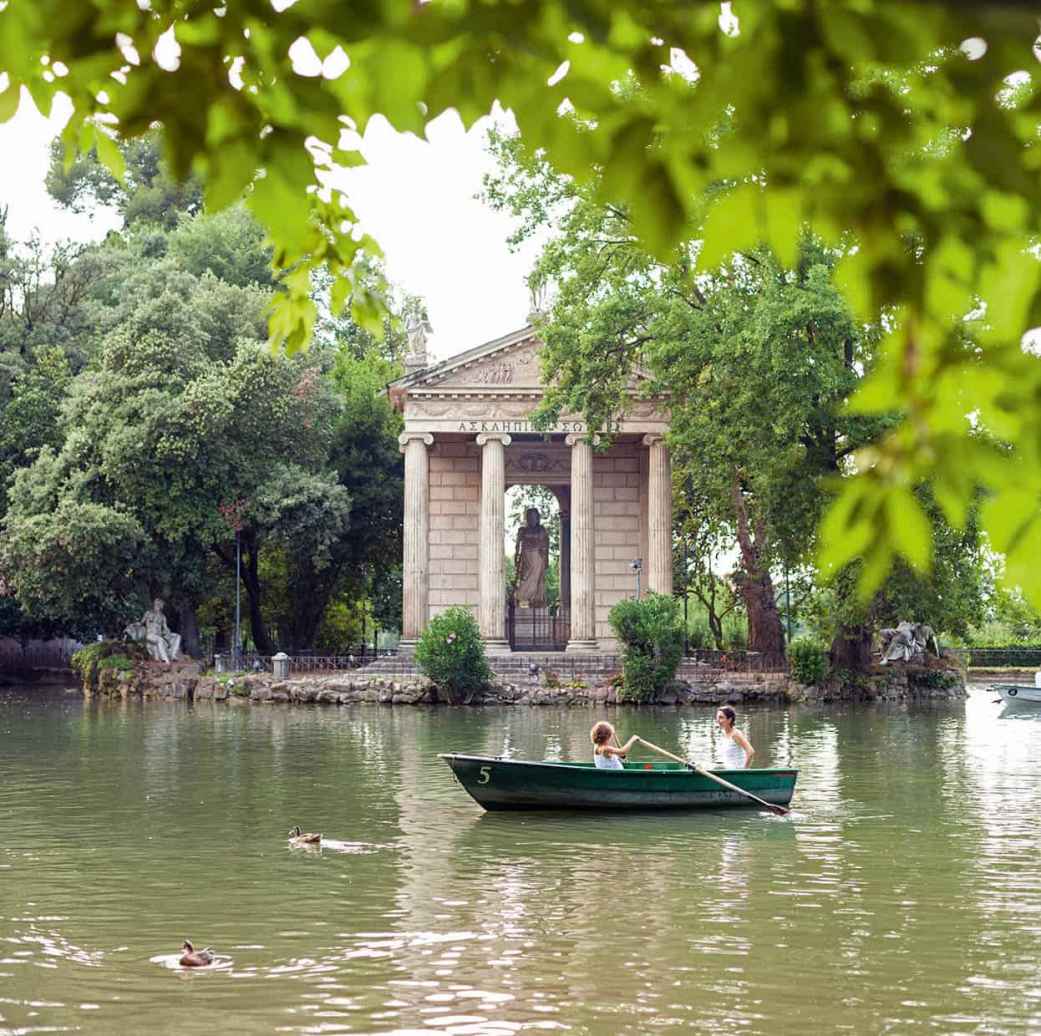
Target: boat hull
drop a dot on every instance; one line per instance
(508, 784)
(1018, 694)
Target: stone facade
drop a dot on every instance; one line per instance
(468, 436)
(455, 511)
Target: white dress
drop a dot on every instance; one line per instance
(733, 754)
(607, 762)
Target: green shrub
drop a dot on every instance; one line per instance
(104, 655)
(808, 662)
(451, 652)
(651, 634)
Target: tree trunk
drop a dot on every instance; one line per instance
(715, 625)
(251, 577)
(715, 620)
(851, 648)
(188, 627)
(251, 581)
(309, 596)
(765, 629)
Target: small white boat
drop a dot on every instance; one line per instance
(1018, 692)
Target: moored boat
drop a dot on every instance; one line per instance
(501, 784)
(1018, 693)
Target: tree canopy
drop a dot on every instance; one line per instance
(144, 423)
(907, 131)
(758, 360)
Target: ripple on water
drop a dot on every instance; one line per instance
(897, 895)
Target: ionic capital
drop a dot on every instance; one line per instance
(502, 437)
(577, 437)
(653, 439)
(406, 437)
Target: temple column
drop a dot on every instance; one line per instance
(565, 560)
(659, 516)
(415, 582)
(583, 548)
(491, 554)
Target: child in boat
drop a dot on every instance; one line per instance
(737, 750)
(605, 755)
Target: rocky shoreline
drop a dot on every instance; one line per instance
(186, 681)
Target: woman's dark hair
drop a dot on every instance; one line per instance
(729, 713)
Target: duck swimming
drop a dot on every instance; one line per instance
(193, 958)
(296, 837)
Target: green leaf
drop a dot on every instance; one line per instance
(109, 154)
(873, 571)
(1009, 516)
(909, 528)
(949, 279)
(853, 279)
(732, 226)
(1005, 212)
(9, 102)
(230, 175)
(400, 73)
(783, 212)
(846, 529)
(1008, 286)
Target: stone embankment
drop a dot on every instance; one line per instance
(528, 684)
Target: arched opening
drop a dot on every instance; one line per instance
(536, 566)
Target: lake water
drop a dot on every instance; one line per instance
(902, 895)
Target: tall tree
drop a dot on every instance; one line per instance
(155, 434)
(754, 359)
(759, 361)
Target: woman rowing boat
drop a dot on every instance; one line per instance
(737, 750)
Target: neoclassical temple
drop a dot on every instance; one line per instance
(467, 438)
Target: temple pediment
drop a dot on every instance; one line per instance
(496, 387)
(515, 366)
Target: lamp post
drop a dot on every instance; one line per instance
(636, 565)
(236, 659)
(788, 602)
(232, 514)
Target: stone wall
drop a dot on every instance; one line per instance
(186, 682)
(455, 501)
(889, 683)
(620, 505)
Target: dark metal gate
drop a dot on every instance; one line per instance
(537, 629)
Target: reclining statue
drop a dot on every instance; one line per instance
(162, 643)
(908, 642)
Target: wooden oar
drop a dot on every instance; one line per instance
(781, 811)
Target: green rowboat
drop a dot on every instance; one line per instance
(498, 784)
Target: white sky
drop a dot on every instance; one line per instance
(416, 197)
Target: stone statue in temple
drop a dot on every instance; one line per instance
(531, 561)
(162, 643)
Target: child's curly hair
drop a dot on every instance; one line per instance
(601, 733)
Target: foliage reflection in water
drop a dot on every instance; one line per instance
(901, 893)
